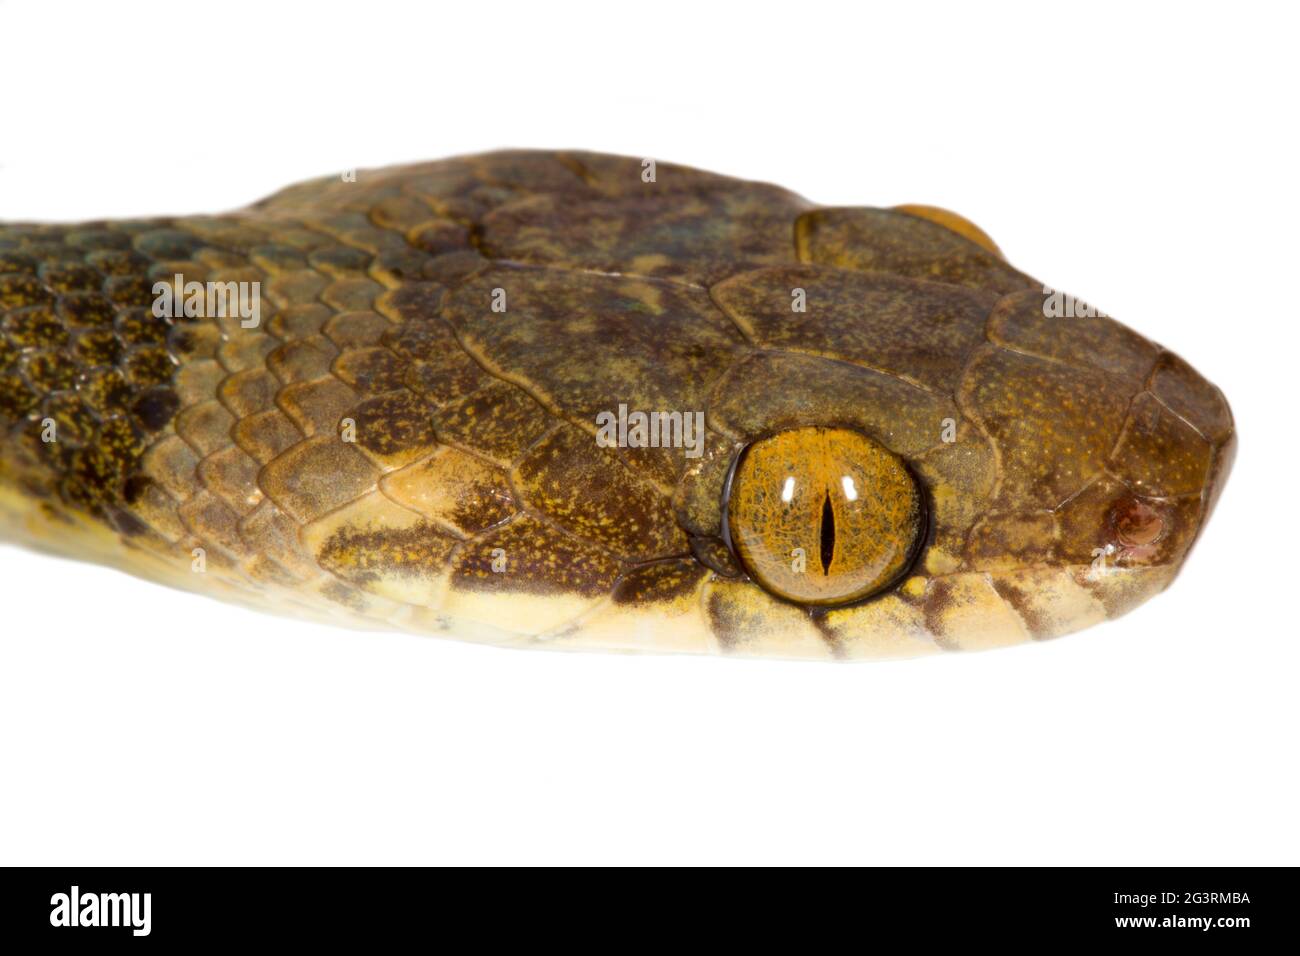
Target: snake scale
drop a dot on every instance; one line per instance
(581, 401)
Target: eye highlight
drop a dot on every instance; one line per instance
(823, 515)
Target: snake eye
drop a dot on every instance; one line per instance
(823, 515)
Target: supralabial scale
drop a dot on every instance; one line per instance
(578, 401)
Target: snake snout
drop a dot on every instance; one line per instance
(1173, 459)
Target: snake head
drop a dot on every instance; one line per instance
(878, 439)
(1064, 464)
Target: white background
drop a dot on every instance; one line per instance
(1143, 158)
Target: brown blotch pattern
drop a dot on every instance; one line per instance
(659, 345)
(660, 582)
(499, 421)
(588, 490)
(396, 427)
(456, 489)
(539, 559)
(361, 555)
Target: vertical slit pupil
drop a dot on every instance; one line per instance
(828, 535)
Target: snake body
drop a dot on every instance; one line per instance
(407, 436)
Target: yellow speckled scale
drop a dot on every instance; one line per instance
(530, 398)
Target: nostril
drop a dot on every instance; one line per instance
(1135, 522)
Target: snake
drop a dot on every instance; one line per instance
(577, 401)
